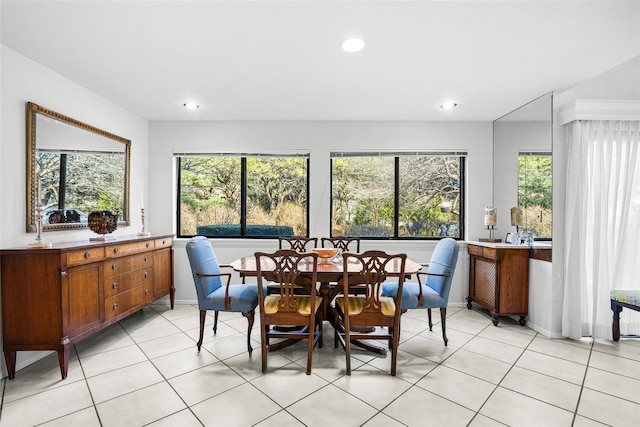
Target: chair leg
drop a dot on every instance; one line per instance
(215, 323)
(430, 322)
(311, 339)
(347, 348)
(616, 321)
(250, 315)
(203, 317)
(394, 351)
(443, 319)
(264, 343)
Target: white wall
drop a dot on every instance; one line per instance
(23, 80)
(320, 138)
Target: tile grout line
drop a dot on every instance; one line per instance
(584, 378)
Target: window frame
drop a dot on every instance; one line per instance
(462, 156)
(243, 189)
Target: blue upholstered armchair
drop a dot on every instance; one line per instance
(434, 293)
(213, 293)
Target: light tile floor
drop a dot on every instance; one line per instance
(146, 371)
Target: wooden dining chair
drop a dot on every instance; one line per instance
(284, 305)
(298, 243)
(346, 244)
(369, 271)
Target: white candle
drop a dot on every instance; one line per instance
(141, 202)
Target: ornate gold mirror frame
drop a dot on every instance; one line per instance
(80, 146)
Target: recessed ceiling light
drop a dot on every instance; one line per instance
(352, 45)
(191, 105)
(448, 105)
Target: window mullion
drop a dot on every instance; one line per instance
(396, 197)
(243, 197)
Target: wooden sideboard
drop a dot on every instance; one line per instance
(52, 298)
(499, 279)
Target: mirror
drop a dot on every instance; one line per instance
(522, 146)
(72, 169)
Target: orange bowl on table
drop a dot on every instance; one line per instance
(326, 252)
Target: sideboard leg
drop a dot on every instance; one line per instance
(63, 359)
(10, 359)
(172, 296)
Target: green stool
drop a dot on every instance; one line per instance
(622, 299)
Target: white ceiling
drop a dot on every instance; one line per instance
(270, 60)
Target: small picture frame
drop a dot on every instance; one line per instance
(508, 238)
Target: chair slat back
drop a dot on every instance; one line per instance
(346, 244)
(298, 243)
(374, 267)
(283, 268)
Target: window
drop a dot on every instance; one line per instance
(397, 195)
(243, 195)
(535, 193)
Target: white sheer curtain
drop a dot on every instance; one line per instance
(602, 217)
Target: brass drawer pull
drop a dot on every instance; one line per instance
(116, 250)
(115, 305)
(115, 285)
(146, 291)
(114, 266)
(87, 255)
(146, 274)
(148, 244)
(146, 258)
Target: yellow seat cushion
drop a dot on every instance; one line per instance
(271, 303)
(356, 305)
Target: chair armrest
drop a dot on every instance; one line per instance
(426, 273)
(225, 265)
(227, 301)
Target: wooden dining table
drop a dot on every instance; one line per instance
(329, 271)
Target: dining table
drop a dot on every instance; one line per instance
(328, 273)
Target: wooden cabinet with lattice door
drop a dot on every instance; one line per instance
(499, 279)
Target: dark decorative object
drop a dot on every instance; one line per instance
(103, 223)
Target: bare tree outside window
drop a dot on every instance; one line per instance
(535, 194)
(247, 196)
(404, 196)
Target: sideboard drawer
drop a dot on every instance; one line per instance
(123, 282)
(85, 256)
(121, 303)
(127, 248)
(126, 264)
(481, 251)
(164, 243)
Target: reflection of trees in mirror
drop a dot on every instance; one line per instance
(84, 181)
(210, 193)
(363, 193)
(535, 193)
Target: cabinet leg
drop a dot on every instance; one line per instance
(469, 299)
(63, 359)
(523, 322)
(495, 319)
(10, 359)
